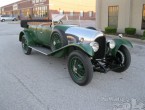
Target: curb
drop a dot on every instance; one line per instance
(14, 22)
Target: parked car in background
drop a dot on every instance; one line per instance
(4, 18)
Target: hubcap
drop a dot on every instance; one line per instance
(56, 41)
(77, 68)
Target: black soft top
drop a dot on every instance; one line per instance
(24, 23)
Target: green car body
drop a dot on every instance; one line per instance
(78, 43)
(34, 37)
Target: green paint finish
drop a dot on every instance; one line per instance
(64, 50)
(46, 33)
(63, 27)
(40, 34)
(33, 31)
(28, 36)
(119, 43)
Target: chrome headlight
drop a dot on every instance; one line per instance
(111, 44)
(95, 46)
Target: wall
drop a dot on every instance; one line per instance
(130, 14)
(123, 13)
(137, 14)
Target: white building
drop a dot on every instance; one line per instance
(121, 14)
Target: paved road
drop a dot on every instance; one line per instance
(38, 82)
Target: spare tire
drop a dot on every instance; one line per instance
(58, 40)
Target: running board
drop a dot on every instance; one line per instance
(41, 49)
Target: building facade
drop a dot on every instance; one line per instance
(115, 13)
(27, 9)
(121, 14)
(45, 8)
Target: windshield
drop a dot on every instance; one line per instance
(66, 19)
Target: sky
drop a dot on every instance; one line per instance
(6, 2)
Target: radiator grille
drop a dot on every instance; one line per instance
(102, 48)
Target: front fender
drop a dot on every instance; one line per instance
(119, 43)
(28, 36)
(86, 48)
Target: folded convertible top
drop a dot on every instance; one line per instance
(24, 23)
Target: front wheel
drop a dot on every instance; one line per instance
(80, 68)
(27, 50)
(123, 59)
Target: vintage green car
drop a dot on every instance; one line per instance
(87, 49)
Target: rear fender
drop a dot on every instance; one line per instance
(28, 36)
(119, 43)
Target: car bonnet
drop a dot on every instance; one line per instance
(88, 35)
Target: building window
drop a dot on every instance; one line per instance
(33, 1)
(143, 17)
(26, 12)
(36, 1)
(113, 16)
(81, 13)
(16, 12)
(40, 11)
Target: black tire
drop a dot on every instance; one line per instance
(3, 20)
(14, 19)
(82, 73)
(123, 56)
(91, 28)
(58, 40)
(27, 50)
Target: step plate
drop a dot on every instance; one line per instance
(41, 49)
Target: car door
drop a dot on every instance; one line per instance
(43, 33)
(7, 17)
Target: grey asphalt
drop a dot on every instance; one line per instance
(39, 82)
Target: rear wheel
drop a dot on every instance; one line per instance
(27, 50)
(123, 59)
(3, 20)
(80, 68)
(14, 19)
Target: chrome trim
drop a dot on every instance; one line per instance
(88, 34)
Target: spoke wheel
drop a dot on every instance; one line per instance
(80, 68)
(58, 40)
(123, 59)
(3, 20)
(27, 50)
